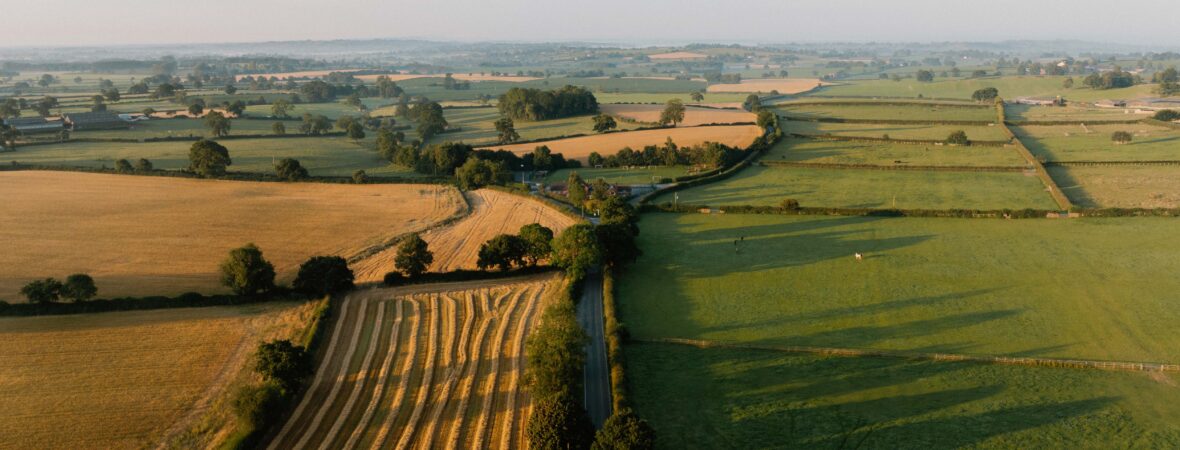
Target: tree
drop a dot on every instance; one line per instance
(123, 166)
(507, 130)
(315, 124)
(503, 251)
(259, 405)
(576, 188)
(360, 177)
(10, 108)
(1166, 115)
(208, 158)
(576, 250)
(324, 275)
(752, 103)
(478, 172)
(766, 119)
(926, 76)
(278, 128)
(617, 244)
(538, 242)
(237, 108)
(559, 422)
(289, 169)
(344, 121)
(356, 131)
(958, 138)
(430, 119)
(1121, 137)
(413, 256)
(112, 95)
(986, 94)
(604, 123)
(143, 165)
(673, 112)
(624, 430)
(697, 96)
(1068, 83)
(45, 105)
(354, 101)
(217, 123)
(196, 109)
(535, 104)
(247, 272)
(79, 287)
(42, 291)
(284, 363)
(281, 108)
(230, 89)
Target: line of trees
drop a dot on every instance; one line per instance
(1112, 79)
(536, 104)
(710, 154)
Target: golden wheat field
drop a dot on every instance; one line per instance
(127, 379)
(139, 235)
(456, 246)
(693, 116)
(765, 85)
(423, 367)
(608, 144)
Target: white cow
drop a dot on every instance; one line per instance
(860, 257)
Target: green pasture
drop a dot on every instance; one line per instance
(723, 398)
(1009, 87)
(1098, 289)
(157, 128)
(336, 156)
(1093, 142)
(333, 109)
(930, 112)
(865, 188)
(883, 153)
(1119, 186)
(1059, 113)
(919, 132)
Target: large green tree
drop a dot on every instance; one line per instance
(323, 275)
(604, 123)
(624, 430)
(538, 242)
(506, 130)
(217, 123)
(247, 272)
(559, 423)
(413, 256)
(673, 112)
(576, 250)
(79, 287)
(283, 362)
(503, 251)
(42, 291)
(208, 158)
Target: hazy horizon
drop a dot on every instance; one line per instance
(655, 22)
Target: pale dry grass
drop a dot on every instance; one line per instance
(765, 85)
(692, 116)
(164, 236)
(608, 144)
(1121, 187)
(456, 246)
(678, 55)
(125, 379)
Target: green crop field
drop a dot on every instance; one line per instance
(320, 155)
(722, 398)
(1120, 186)
(619, 175)
(1093, 142)
(924, 132)
(1095, 289)
(842, 152)
(892, 112)
(1009, 87)
(1056, 113)
(863, 188)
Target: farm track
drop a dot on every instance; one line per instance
(407, 369)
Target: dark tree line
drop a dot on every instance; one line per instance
(535, 104)
(709, 154)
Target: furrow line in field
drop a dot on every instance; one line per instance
(381, 380)
(337, 384)
(374, 339)
(404, 381)
(407, 435)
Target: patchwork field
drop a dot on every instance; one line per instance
(863, 188)
(678, 55)
(892, 112)
(328, 156)
(922, 132)
(1093, 143)
(692, 116)
(456, 246)
(165, 236)
(962, 88)
(1120, 186)
(838, 152)
(470, 76)
(421, 367)
(125, 379)
(580, 148)
(728, 99)
(1054, 113)
(724, 398)
(477, 126)
(766, 85)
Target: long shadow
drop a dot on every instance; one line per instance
(1070, 186)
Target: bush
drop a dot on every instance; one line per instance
(624, 431)
(283, 363)
(323, 275)
(790, 204)
(259, 406)
(1166, 115)
(958, 138)
(247, 272)
(1121, 137)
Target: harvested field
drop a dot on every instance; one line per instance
(125, 379)
(457, 246)
(765, 85)
(457, 76)
(692, 116)
(140, 235)
(423, 367)
(580, 148)
(678, 55)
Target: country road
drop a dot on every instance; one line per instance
(597, 377)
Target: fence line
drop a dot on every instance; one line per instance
(1005, 360)
(840, 137)
(1112, 163)
(1054, 190)
(895, 167)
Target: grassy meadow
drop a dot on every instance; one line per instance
(931, 111)
(1093, 142)
(1009, 87)
(1120, 186)
(884, 153)
(1058, 113)
(920, 132)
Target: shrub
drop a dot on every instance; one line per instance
(247, 272)
(624, 430)
(958, 138)
(1166, 115)
(323, 275)
(790, 204)
(259, 406)
(283, 363)
(289, 169)
(1121, 137)
(79, 287)
(123, 166)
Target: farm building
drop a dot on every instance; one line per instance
(34, 125)
(94, 121)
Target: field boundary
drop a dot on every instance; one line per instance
(950, 357)
(1050, 185)
(972, 123)
(885, 103)
(838, 137)
(260, 177)
(918, 168)
(683, 208)
(1111, 163)
(1050, 123)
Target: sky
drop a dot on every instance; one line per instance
(105, 22)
